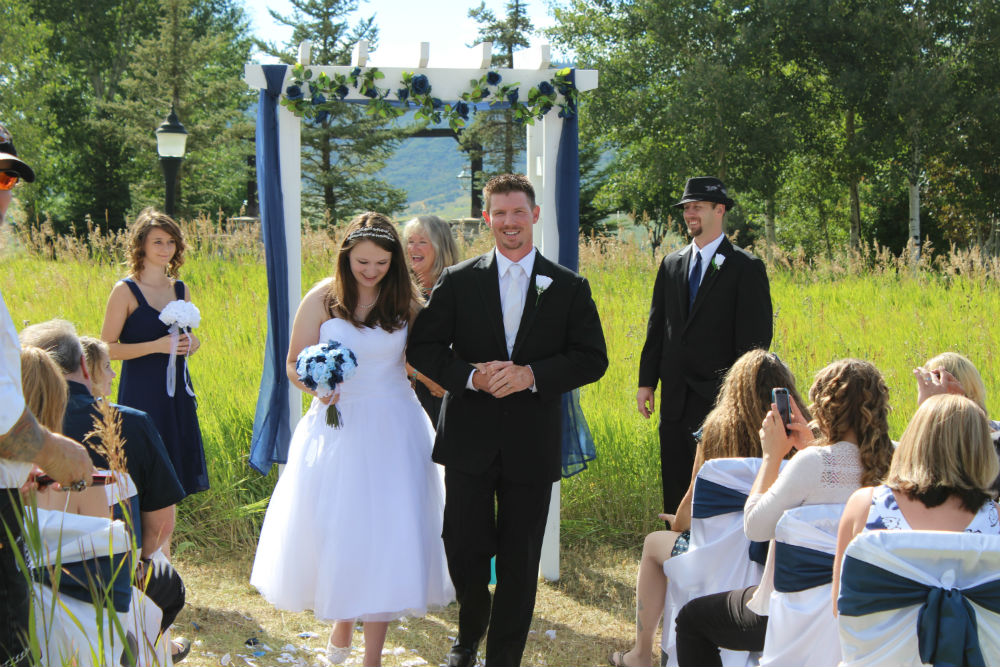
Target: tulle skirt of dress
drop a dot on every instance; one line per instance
(353, 529)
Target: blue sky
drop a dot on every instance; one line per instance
(443, 23)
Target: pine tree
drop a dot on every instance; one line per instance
(193, 65)
(495, 133)
(342, 154)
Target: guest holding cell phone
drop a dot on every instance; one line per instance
(850, 409)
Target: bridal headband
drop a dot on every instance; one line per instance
(370, 232)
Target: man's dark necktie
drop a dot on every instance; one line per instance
(695, 281)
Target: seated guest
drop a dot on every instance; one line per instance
(952, 373)
(939, 479)
(730, 430)
(146, 460)
(98, 356)
(46, 394)
(850, 408)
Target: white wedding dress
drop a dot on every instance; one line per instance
(353, 529)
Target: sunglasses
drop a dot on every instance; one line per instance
(8, 180)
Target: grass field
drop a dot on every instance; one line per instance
(870, 307)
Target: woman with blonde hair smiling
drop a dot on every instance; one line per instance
(430, 249)
(939, 478)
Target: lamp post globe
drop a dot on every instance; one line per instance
(171, 139)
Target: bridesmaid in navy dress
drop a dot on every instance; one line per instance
(135, 334)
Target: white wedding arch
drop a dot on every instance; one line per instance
(531, 68)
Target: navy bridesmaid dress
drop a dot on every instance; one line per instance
(143, 386)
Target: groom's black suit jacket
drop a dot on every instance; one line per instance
(560, 337)
(731, 314)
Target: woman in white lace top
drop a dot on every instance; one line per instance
(850, 409)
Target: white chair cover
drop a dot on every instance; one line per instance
(718, 557)
(72, 631)
(948, 560)
(801, 627)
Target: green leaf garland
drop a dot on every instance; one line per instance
(415, 91)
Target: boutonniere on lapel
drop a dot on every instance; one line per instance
(716, 264)
(541, 284)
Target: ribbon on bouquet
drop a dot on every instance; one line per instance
(175, 332)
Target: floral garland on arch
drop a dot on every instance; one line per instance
(415, 91)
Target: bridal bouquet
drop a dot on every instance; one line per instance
(181, 317)
(321, 368)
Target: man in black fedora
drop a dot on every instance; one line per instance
(711, 303)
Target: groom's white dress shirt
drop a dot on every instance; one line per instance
(12, 473)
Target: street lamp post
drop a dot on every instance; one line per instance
(171, 137)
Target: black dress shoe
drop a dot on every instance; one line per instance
(462, 656)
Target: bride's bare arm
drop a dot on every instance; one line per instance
(305, 332)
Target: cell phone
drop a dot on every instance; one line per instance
(101, 478)
(779, 396)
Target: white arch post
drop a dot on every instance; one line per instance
(448, 83)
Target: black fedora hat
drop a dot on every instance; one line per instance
(8, 155)
(706, 188)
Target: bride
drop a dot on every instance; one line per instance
(353, 529)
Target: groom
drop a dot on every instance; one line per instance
(506, 333)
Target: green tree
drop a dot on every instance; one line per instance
(193, 64)
(495, 134)
(342, 154)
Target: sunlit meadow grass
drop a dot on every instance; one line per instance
(872, 307)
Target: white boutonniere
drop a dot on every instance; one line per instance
(541, 284)
(717, 262)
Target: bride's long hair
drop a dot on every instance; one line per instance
(397, 297)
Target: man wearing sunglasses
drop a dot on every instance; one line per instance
(22, 442)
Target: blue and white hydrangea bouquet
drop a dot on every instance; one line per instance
(322, 368)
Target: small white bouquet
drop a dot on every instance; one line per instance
(322, 368)
(181, 317)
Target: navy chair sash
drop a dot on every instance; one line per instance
(713, 499)
(798, 568)
(946, 622)
(88, 580)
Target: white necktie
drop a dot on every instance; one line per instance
(513, 305)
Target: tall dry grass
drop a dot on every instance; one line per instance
(869, 304)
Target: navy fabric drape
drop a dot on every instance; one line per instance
(798, 568)
(577, 442)
(946, 622)
(711, 499)
(271, 423)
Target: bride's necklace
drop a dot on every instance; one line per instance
(368, 306)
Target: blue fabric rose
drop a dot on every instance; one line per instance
(493, 78)
(318, 99)
(370, 91)
(294, 93)
(437, 103)
(403, 94)
(421, 86)
(512, 96)
(462, 109)
(341, 91)
(545, 88)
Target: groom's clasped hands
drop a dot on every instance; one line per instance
(502, 378)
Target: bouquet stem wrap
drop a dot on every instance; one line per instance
(180, 316)
(175, 332)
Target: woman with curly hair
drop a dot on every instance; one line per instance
(850, 410)
(136, 335)
(730, 430)
(939, 479)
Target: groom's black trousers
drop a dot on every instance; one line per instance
(487, 514)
